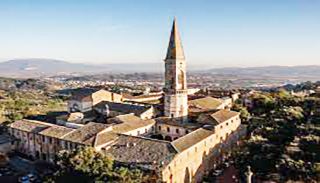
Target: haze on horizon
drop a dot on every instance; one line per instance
(216, 33)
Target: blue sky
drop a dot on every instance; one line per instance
(215, 33)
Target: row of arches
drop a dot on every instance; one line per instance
(164, 137)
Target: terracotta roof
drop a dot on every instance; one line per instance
(204, 104)
(191, 139)
(86, 134)
(83, 93)
(129, 122)
(103, 138)
(56, 131)
(30, 125)
(223, 115)
(142, 152)
(124, 108)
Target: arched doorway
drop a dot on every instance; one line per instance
(168, 138)
(187, 178)
(158, 136)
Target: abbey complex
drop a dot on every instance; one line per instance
(179, 139)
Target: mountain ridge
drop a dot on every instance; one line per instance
(35, 67)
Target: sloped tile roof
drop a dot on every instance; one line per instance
(86, 134)
(56, 131)
(191, 139)
(143, 152)
(204, 104)
(103, 138)
(83, 93)
(30, 125)
(126, 123)
(223, 115)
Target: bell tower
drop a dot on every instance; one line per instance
(176, 98)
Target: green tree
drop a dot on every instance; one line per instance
(14, 116)
(92, 166)
(245, 115)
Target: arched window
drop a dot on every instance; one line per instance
(75, 108)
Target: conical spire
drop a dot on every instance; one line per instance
(175, 50)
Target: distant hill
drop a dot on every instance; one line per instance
(47, 67)
(30, 68)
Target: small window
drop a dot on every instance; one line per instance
(50, 140)
(138, 132)
(168, 129)
(227, 124)
(195, 149)
(231, 121)
(43, 138)
(177, 131)
(159, 127)
(187, 131)
(145, 130)
(221, 127)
